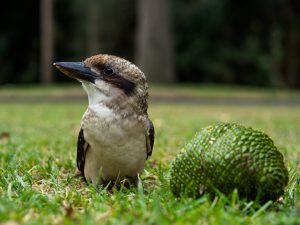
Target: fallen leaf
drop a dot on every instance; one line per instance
(69, 211)
(4, 136)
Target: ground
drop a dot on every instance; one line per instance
(38, 134)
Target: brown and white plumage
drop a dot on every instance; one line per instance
(116, 135)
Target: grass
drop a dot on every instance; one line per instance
(188, 89)
(37, 163)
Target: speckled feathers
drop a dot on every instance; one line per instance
(120, 66)
(116, 135)
(128, 78)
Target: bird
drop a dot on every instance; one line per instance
(116, 135)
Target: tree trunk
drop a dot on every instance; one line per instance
(291, 48)
(154, 47)
(291, 72)
(46, 45)
(93, 28)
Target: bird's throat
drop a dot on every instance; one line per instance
(95, 95)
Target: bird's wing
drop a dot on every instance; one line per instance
(82, 147)
(150, 137)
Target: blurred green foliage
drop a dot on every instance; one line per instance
(232, 41)
(247, 42)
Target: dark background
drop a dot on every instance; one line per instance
(250, 42)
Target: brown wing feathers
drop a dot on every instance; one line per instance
(150, 138)
(82, 147)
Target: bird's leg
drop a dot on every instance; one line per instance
(77, 173)
(129, 181)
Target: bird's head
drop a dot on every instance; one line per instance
(109, 79)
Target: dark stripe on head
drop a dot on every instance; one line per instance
(120, 82)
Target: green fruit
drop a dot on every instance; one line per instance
(227, 157)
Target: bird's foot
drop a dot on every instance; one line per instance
(77, 173)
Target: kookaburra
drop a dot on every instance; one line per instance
(116, 135)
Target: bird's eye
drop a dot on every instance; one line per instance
(108, 71)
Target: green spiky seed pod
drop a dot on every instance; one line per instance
(227, 157)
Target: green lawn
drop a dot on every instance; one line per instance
(37, 163)
(190, 90)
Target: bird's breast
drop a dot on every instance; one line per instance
(118, 145)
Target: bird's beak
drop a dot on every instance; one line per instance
(76, 70)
